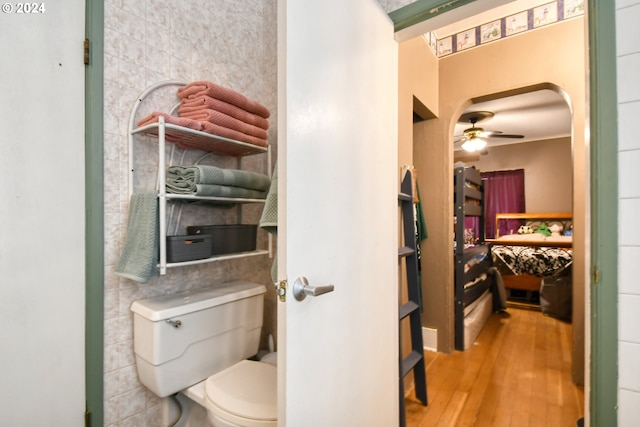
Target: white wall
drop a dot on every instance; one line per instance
(42, 221)
(230, 42)
(628, 64)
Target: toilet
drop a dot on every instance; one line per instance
(198, 344)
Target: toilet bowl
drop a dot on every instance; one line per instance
(243, 395)
(271, 358)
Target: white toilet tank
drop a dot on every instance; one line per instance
(184, 338)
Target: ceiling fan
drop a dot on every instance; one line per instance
(475, 138)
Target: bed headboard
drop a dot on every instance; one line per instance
(535, 219)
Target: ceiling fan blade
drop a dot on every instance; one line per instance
(504, 135)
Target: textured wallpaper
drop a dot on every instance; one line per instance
(229, 42)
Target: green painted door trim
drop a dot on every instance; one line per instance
(94, 232)
(603, 367)
(603, 398)
(421, 10)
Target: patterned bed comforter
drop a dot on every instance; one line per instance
(537, 261)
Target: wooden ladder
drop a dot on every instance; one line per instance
(412, 308)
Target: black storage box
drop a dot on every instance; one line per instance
(556, 297)
(188, 248)
(228, 239)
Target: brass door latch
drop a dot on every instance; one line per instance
(281, 290)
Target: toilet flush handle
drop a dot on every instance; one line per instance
(175, 323)
(301, 289)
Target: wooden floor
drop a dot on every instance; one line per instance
(517, 374)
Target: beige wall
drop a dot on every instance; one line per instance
(548, 170)
(417, 86)
(417, 83)
(552, 56)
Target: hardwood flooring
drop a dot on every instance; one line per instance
(517, 374)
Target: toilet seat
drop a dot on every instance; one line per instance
(244, 394)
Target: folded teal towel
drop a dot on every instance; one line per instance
(212, 190)
(139, 258)
(181, 176)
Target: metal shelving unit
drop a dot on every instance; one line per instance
(189, 139)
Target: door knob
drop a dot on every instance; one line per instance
(301, 289)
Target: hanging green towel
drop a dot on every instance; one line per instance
(269, 219)
(139, 258)
(421, 234)
(421, 224)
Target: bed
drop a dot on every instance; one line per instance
(523, 260)
(478, 291)
(477, 294)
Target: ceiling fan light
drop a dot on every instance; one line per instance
(474, 144)
(469, 146)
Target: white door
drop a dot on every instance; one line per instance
(338, 175)
(42, 213)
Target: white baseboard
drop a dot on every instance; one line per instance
(430, 339)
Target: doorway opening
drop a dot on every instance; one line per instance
(464, 80)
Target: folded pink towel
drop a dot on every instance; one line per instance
(215, 129)
(221, 119)
(191, 105)
(202, 88)
(178, 121)
(203, 126)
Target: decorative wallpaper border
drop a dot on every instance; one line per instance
(506, 26)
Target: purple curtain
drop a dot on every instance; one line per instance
(503, 193)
